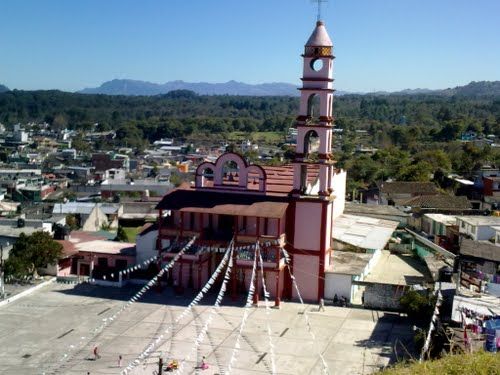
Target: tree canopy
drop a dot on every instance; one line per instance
(32, 252)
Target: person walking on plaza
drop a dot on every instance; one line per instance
(120, 361)
(321, 305)
(96, 353)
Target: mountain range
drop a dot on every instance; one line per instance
(131, 87)
(134, 87)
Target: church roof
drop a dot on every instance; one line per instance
(224, 203)
(319, 37)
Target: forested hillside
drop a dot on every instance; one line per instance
(416, 135)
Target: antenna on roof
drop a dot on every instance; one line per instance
(319, 2)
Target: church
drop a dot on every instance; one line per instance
(293, 207)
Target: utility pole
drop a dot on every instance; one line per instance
(2, 289)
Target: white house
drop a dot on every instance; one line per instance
(478, 228)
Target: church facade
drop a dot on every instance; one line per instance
(292, 206)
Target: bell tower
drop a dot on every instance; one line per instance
(318, 188)
(315, 121)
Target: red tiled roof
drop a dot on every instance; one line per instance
(443, 201)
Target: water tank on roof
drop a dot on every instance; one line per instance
(445, 274)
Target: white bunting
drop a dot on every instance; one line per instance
(245, 316)
(145, 354)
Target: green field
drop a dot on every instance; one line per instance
(268, 138)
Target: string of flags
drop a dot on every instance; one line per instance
(268, 314)
(147, 262)
(201, 336)
(134, 298)
(306, 316)
(126, 271)
(145, 354)
(251, 291)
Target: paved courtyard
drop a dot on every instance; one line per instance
(49, 332)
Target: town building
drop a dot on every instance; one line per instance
(478, 228)
(395, 192)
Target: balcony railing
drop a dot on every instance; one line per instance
(222, 235)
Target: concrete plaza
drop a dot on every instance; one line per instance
(50, 331)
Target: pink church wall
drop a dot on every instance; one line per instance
(272, 227)
(270, 281)
(307, 226)
(305, 270)
(328, 228)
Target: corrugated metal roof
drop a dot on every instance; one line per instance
(364, 232)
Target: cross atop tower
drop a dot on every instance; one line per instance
(319, 2)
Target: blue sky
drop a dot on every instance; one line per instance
(379, 44)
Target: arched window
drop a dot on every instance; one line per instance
(303, 179)
(231, 173)
(313, 107)
(311, 144)
(208, 174)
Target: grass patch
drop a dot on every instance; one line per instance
(267, 138)
(131, 233)
(480, 363)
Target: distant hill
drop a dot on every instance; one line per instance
(133, 87)
(482, 88)
(4, 88)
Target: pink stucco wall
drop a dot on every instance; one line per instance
(307, 225)
(305, 270)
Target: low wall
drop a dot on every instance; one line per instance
(399, 248)
(25, 293)
(383, 296)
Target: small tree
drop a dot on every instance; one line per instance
(72, 222)
(32, 252)
(417, 304)
(121, 235)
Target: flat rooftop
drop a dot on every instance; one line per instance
(443, 219)
(348, 263)
(59, 319)
(398, 270)
(481, 220)
(9, 231)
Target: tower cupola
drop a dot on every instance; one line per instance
(319, 43)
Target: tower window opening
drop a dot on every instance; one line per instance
(311, 145)
(313, 107)
(208, 173)
(231, 173)
(316, 65)
(303, 179)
